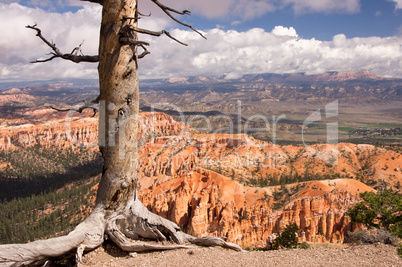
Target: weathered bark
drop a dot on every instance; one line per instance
(118, 213)
(118, 120)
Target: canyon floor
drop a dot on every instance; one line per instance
(341, 255)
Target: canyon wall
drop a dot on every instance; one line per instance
(206, 203)
(78, 131)
(224, 185)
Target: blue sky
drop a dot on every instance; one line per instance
(373, 18)
(370, 18)
(244, 36)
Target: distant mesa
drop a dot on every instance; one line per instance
(178, 80)
(14, 97)
(12, 91)
(272, 77)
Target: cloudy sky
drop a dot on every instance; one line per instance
(243, 36)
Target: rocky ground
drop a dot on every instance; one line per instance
(363, 255)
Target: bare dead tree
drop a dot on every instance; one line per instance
(118, 213)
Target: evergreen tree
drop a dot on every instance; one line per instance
(381, 209)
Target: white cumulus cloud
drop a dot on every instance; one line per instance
(284, 31)
(258, 51)
(225, 52)
(398, 3)
(20, 45)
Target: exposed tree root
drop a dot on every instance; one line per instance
(86, 236)
(125, 230)
(130, 245)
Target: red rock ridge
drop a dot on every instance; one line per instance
(179, 180)
(58, 133)
(176, 184)
(243, 158)
(206, 203)
(83, 132)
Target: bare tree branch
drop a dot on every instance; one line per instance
(77, 49)
(132, 41)
(167, 11)
(73, 56)
(87, 105)
(127, 36)
(153, 33)
(144, 53)
(137, 17)
(44, 60)
(184, 12)
(144, 14)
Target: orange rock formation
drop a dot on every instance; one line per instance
(199, 180)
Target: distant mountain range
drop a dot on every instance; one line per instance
(282, 78)
(265, 77)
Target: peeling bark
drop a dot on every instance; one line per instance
(118, 213)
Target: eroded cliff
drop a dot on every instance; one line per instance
(233, 185)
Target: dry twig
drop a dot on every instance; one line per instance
(73, 56)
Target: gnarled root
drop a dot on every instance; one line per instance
(139, 222)
(209, 241)
(86, 236)
(130, 245)
(125, 229)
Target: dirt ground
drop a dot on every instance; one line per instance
(363, 255)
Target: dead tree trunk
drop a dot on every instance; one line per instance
(118, 214)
